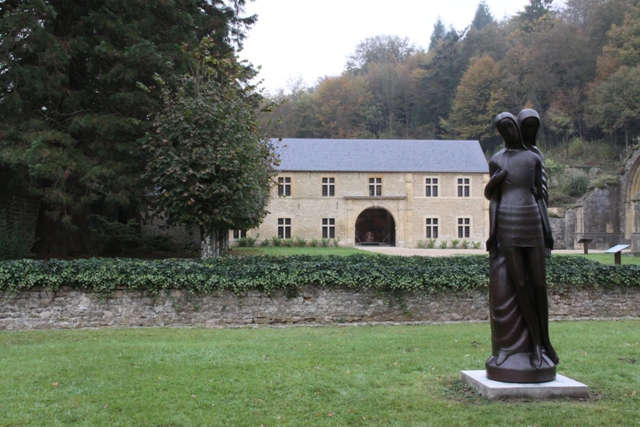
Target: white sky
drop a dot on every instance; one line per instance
(312, 39)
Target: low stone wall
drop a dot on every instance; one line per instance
(76, 309)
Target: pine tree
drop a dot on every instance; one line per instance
(438, 34)
(71, 110)
(483, 16)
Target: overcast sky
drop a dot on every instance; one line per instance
(312, 39)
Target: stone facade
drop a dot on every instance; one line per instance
(598, 218)
(67, 309)
(610, 215)
(403, 196)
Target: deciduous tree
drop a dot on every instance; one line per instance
(209, 163)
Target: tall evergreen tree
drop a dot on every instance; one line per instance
(438, 34)
(482, 17)
(71, 111)
(536, 9)
(441, 77)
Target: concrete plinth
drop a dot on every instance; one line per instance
(560, 387)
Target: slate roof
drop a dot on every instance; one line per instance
(379, 155)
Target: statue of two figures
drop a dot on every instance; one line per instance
(520, 241)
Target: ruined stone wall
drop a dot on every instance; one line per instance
(558, 230)
(67, 309)
(601, 217)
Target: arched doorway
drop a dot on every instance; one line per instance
(375, 226)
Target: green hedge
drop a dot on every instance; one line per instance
(269, 273)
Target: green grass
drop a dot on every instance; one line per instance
(295, 250)
(333, 376)
(608, 258)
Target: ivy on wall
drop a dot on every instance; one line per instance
(267, 274)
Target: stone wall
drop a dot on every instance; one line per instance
(67, 309)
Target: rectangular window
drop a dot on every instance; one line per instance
(328, 228)
(431, 187)
(284, 228)
(432, 228)
(284, 187)
(328, 187)
(239, 234)
(464, 228)
(464, 187)
(375, 187)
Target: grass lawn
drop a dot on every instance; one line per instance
(608, 258)
(295, 250)
(332, 376)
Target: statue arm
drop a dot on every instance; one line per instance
(541, 195)
(496, 179)
(492, 192)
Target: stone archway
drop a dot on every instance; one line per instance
(375, 226)
(632, 201)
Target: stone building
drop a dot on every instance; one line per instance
(377, 192)
(608, 216)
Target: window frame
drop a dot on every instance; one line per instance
(431, 184)
(432, 227)
(328, 186)
(239, 234)
(463, 227)
(328, 228)
(463, 186)
(284, 186)
(375, 186)
(284, 228)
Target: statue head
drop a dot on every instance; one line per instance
(507, 126)
(529, 123)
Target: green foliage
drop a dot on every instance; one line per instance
(336, 242)
(264, 243)
(431, 243)
(422, 244)
(314, 243)
(276, 241)
(209, 164)
(454, 243)
(160, 242)
(301, 242)
(116, 238)
(14, 241)
(288, 243)
(443, 244)
(325, 242)
(465, 244)
(577, 185)
(269, 273)
(251, 241)
(248, 242)
(71, 109)
(476, 245)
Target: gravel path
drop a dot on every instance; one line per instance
(387, 250)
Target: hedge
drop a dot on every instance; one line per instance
(270, 273)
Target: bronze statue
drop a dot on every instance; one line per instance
(519, 242)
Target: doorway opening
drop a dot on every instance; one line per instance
(375, 227)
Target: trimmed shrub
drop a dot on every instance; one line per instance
(270, 273)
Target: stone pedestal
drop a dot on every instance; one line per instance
(560, 387)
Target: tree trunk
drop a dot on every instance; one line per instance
(214, 244)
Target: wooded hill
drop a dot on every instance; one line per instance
(577, 64)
